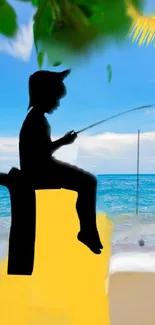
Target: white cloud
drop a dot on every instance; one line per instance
(101, 153)
(149, 111)
(21, 46)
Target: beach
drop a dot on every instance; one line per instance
(132, 291)
(132, 268)
(132, 296)
(131, 283)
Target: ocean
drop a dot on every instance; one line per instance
(116, 196)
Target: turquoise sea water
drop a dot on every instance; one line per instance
(116, 196)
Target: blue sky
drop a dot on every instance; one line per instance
(90, 98)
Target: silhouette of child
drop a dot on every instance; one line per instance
(36, 154)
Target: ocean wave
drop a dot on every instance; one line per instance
(132, 261)
(127, 255)
(5, 223)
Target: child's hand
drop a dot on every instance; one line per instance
(69, 137)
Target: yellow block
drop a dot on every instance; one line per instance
(69, 282)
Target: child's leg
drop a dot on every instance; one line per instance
(76, 179)
(62, 175)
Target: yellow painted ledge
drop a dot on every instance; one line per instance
(69, 282)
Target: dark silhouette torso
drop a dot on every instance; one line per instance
(35, 142)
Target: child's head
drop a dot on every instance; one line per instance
(46, 89)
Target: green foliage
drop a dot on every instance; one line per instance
(40, 58)
(57, 63)
(63, 29)
(8, 19)
(109, 70)
(24, 0)
(43, 21)
(80, 25)
(35, 3)
(139, 4)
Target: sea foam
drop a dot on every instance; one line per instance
(133, 262)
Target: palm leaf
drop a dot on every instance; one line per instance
(142, 30)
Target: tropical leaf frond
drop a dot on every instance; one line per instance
(142, 30)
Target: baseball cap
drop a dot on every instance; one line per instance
(40, 79)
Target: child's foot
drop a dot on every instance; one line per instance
(93, 236)
(98, 240)
(89, 243)
(95, 239)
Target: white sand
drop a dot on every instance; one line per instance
(132, 290)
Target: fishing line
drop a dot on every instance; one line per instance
(137, 190)
(141, 241)
(113, 116)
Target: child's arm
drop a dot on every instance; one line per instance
(55, 145)
(67, 139)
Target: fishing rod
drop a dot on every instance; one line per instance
(141, 241)
(113, 116)
(137, 190)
